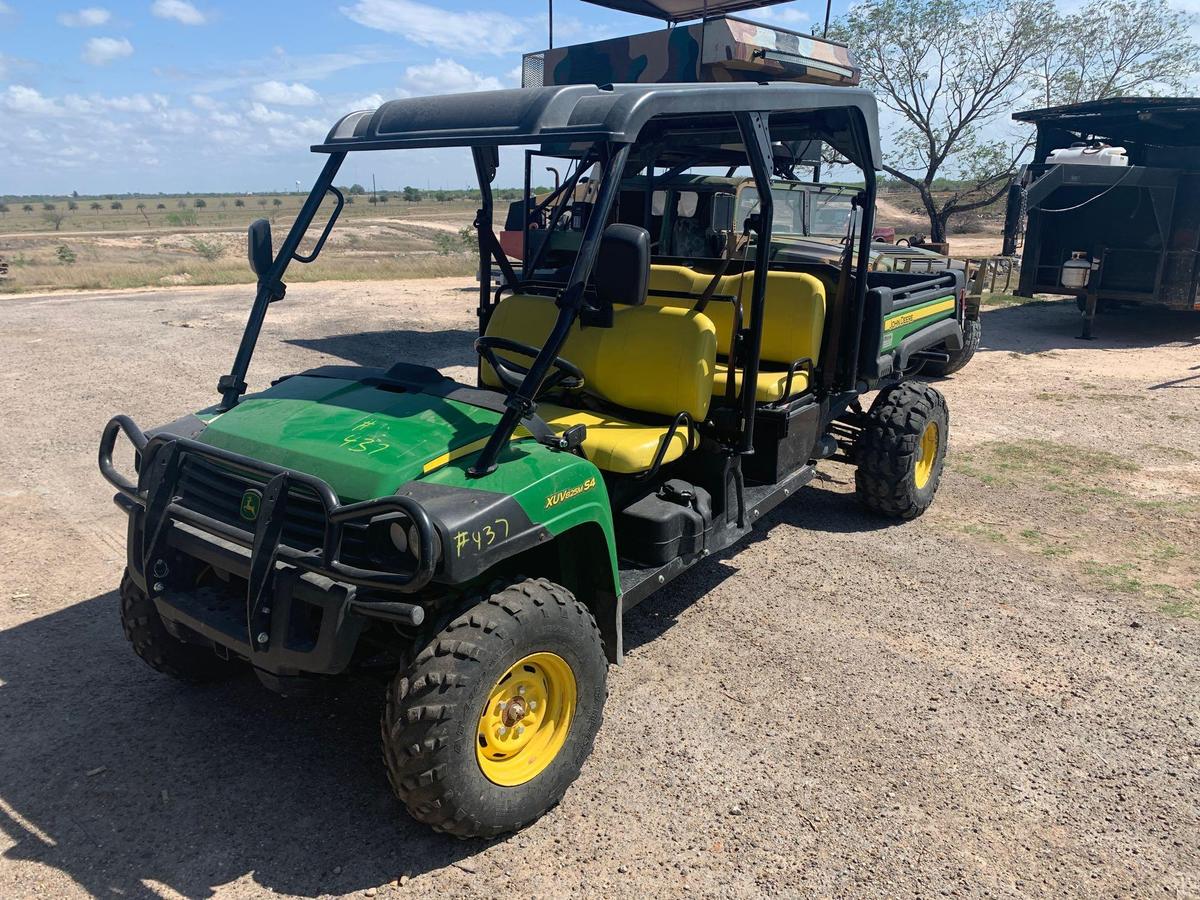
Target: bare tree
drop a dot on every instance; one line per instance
(55, 217)
(950, 69)
(1115, 48)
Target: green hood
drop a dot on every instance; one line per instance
(364, 440)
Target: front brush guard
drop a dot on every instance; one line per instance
(156, 495)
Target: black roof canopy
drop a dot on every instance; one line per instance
(683, 10)
(1160, 121)
(579, 114)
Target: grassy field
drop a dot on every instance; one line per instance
(154, 241)
(74, 243)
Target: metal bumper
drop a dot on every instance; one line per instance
(302, 610)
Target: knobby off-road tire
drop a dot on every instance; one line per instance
(191, 663)
(902, 450)
(972, 334)
(434, 718)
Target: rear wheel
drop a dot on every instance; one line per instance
(159, 649)
(972, 334)
(491, 724)
(902, 450)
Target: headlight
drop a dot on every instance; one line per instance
(395, 542)
(403, 532)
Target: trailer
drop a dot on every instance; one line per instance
(1110, 206)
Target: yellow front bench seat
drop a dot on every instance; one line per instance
(793, 325)
(658, 361)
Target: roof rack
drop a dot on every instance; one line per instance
(717, 49)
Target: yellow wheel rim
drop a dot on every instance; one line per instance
(525, 721)
(926, 454)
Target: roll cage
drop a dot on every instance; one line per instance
(622, 130)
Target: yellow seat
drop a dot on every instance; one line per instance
(772, 385)
(658, 361)
(794, 321)
(613, 444)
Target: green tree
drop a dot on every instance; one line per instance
(116, 204)
(357, 189)
(28, 207)
(65, 255)
(3, 209)
(95, 206)
(239, 202)
(277, 203)
(411, 194)
(72, 205)
(199, 203)
(55, 218)
(952, 70)
(262, 201)
(161, 206)
(48, 207)
(1116, 48)
(141, 206)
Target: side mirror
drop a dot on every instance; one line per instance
(258, 247)
(722, 212)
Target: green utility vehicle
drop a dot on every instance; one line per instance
(479, 544)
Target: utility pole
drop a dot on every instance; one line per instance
(374, 199)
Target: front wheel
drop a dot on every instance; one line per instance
(160, 650)
(492, 722)
(902, 450)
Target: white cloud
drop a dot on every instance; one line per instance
(260, 113)
(203, 101)
(445, 76)
(5, 9)
(465, 31)
(100, 51)
(88, 17)
(790, 15)
(134, 103)
(294, 94)
(371, 101)
(21, 99)
(179, 10)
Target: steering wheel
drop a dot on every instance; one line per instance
(566, 374)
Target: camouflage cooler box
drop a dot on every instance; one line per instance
(723, 48)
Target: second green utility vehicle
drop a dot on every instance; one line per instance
(478, 544)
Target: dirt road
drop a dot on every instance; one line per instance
(998, 699)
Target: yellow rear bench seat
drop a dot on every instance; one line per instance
(655, 360)
(792, 329)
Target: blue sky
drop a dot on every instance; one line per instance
(122, 96)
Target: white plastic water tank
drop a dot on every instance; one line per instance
(1076, 271)
(1082, 155)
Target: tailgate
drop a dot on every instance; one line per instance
(907, 313)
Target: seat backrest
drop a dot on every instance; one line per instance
(654, 359)
(794, 308)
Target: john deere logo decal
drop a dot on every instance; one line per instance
(251, 501)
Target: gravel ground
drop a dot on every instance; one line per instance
(999, 699)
